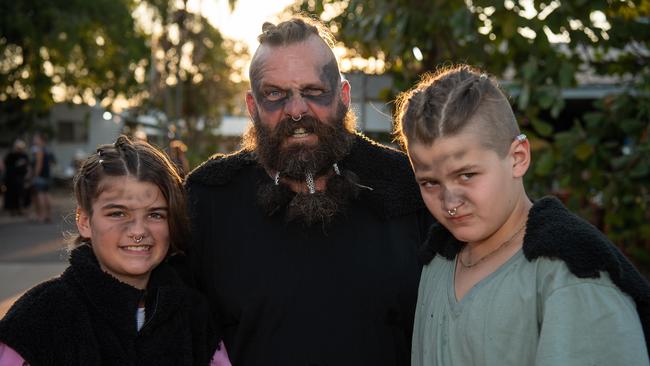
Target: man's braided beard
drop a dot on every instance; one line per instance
(334, 143)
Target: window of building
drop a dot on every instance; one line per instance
(71, 131)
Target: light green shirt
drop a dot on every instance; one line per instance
(525, 313)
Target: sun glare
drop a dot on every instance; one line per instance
(244, 23)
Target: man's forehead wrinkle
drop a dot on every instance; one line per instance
(312, 45)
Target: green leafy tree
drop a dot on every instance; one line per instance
(193, 78)
(538, 48)
(81, 51)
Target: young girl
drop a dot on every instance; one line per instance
(508, 281)
(119, 302)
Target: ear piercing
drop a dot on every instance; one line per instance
(521, 137)
(297, 119)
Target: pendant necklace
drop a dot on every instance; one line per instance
(502, 245)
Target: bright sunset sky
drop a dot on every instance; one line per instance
(245, 22)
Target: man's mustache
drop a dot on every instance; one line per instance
(286, 126)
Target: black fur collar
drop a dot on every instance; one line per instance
(116, 300)
(387, 171)
(554, 232)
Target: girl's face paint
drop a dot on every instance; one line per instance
(125, 211)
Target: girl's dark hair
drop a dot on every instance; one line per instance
(446, 102)
(145, 163)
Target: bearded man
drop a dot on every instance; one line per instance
(305, 241)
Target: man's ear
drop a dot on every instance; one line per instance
(521, 157)
(345, 93)
(250, 104)
(83, 223)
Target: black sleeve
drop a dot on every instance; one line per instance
(191, 266)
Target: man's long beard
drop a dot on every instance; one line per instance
(335, 140)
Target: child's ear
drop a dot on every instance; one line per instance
(520, 152)
(83, 222)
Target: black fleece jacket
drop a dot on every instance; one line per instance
(87, 317)
(554, 232)
(287, 294)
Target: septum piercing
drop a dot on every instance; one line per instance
(296, 119)
(454, 210)
(138, 239)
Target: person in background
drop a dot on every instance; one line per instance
(177, 150)
(305, 242)
(508, 281)
(42, 159)
(119, 302)
(140, 135)
(16, 164)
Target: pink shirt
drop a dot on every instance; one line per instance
(9, 357)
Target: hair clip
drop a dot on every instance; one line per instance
(483, 76)
(521, 137)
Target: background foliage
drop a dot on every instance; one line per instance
(596, 158)
(44, 44)
(193, 66)
(154, 53)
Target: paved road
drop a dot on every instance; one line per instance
(31, 252)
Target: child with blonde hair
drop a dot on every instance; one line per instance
(507, 280)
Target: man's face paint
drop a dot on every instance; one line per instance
(273, 96)
(330, 77)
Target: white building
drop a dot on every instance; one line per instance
(79, 129)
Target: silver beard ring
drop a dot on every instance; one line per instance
(336, 169)
(309, 179)
(310, 183)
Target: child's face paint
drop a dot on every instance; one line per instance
(128, 229)
(459, 172)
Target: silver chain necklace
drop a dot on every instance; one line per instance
(502, 245)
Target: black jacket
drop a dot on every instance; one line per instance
(554, 232)
(87, 317)
(293, 295)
